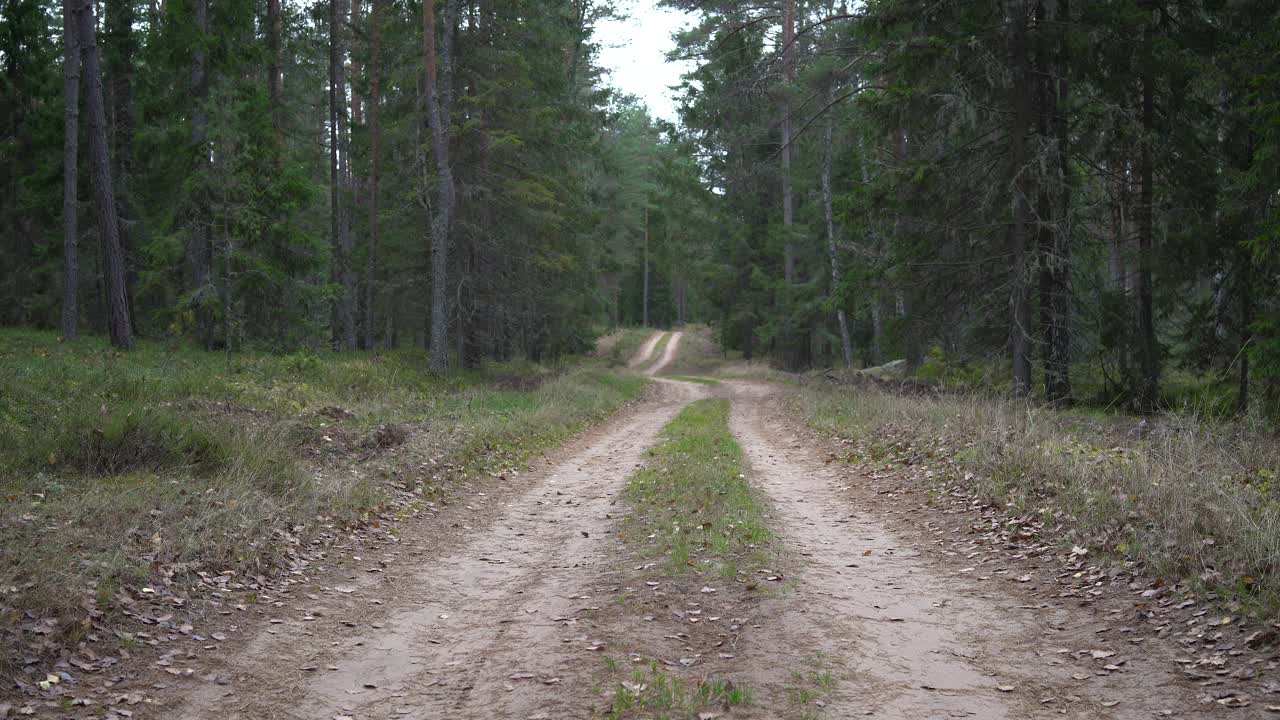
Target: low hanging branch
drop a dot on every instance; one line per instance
(821, 111)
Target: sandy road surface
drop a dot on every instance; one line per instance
(645, 353)
(905, 638)
(506, 601)
(668, 355)
(510, 619)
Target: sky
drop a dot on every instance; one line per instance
(634, 52)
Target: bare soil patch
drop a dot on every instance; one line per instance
(488, 617)
(935, 623)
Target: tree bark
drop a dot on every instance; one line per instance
(877, 330)
(1058, 368)
(644, 303)
(119, 324)
(1020, 301)
(118, 68)
(70, 172)
(788, 72)
(356, 115)
(1246, 335)
(340, 226)
(846, 346)
(905, 292)
(275, 88)
(1146, 393)
(199, 251)
(437, 106)
(374, 139)
(1053, 205)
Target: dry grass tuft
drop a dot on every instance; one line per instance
(1195, 500)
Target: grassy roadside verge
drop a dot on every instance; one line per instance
(1193, 502)
(128, 478)
(692, 505)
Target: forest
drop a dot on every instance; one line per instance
(389, 358)
(1084, 195)
(1076, 202)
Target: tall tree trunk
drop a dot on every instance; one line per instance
(1044, 219)
(788, 72)
(374, 140)
(644, 302)
(1246, 319)
(1117, 274)
(1146, 393)
(438, 86)
(1020, 300)
(199, 251)
(339, 220)
(904, 229)
(877, 330)
(119, 325)
(356, 114)
(793, 342)
(227, 252)
(274, 86)
(1058, 364)
(1053, 205)
(118, 67)
(846, 345)
(874, 354)
(70, 172)
(1118, 266)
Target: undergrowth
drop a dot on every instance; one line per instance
(1194, 500)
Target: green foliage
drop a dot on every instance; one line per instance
(553, 176)
(927, 171)
(651, 692)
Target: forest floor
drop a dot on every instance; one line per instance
(703, 554)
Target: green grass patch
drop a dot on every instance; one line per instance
(694, 379)
(806, 687)
(119, 470)
(692, 504)
(652, 693)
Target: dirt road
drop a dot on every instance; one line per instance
(645, 353)
(483, 627)
(910, 638)
(509, 616)
(668, 355)
(643, 359)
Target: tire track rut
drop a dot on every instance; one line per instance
(490, 629)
